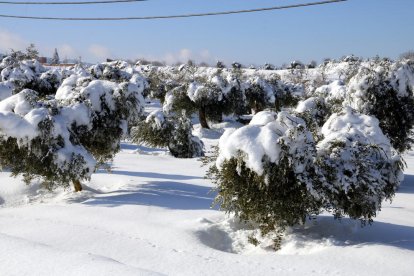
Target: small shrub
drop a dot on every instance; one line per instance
(385, 90)
(264, 174)
(274, 175)
(360, 167)
(173, 132)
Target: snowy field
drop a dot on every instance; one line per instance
(152, 216)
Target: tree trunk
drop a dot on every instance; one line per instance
(202, 117)
(278, 106)
(77, 185)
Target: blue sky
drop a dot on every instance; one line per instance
(361, 27)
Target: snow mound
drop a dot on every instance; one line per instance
(55, 261)
(157, 118)
(315, 237)
(232, 236)
(336, 90)
(256, 142)
(351, 125)
(263, 118)
(19, 118)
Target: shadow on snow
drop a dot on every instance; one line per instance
(348, 232)
(154, 175)
(407, 186)
(134, 147)
(182, 196)
(166, 194)
(324, 231)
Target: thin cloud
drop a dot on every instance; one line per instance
(100, 52)
(10, 41)
(184, 55)
(67, 50)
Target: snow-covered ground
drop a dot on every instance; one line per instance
(152, 215)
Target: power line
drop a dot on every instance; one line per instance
(170, 16)
(70, 2)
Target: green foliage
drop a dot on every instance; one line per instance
(17, 56)
(274, 200)
(182, 143)
(210, 104)
(283, 194)
(316, 116)
(36, 159)
(160, 85)
(32, 75)
(108, 127)
(396, 114)
(382, 96)
(55, 59)
(43, 87)
(349, 175)
(149, 132)
(256, 98)
(32, 52)
(234, 102)
(179, 101)
(173, 132)
(103, 140)
(358, 178)
(110, 71)
(287, 95)
(261, 93)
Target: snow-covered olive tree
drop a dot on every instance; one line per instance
(36, 141)
(260, 94)
(288, 94)
(233, 86)
(275, 172)
(203, 95)
(161, 82)
(17, 75)
(63, 137)
(211, 93)
(111, 108)
(385, 90)
(359, 165)
(315, 112)
(333, 95)
(207, 98)
(116, 71)
(378, 87)
(264, 172)
(173, 132)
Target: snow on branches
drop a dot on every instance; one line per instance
(62, 137)
(275, 173)
(172, 131)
